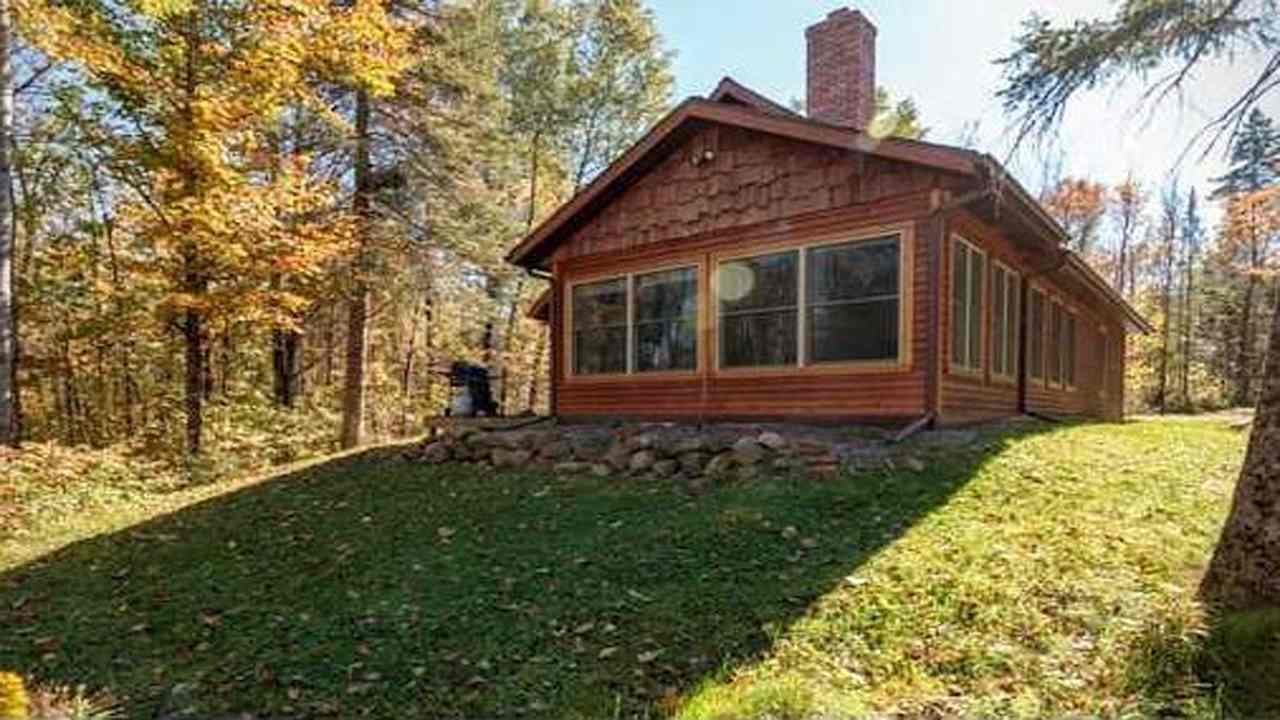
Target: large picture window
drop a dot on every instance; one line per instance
(1004, 321)
(600, 327)
(852, 301)
(968, 265)
(1035, 334)
(831, 303)
(666, 320)
(759, 310)
(637, 323)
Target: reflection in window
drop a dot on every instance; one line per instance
(600, 327)
(968, 266)
(666, 320)
(852, 301)
(759, 315)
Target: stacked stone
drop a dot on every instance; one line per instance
(642, 451)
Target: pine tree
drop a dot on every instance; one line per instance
(1255, 157)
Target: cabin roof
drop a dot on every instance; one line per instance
(733, 104)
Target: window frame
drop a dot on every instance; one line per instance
(803, 365)
(1012, 322)
(1037, 372)
(967, 368)
(570, 349)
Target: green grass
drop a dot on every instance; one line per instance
(1049, 571)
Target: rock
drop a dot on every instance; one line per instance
(462, 453)
(590, 448)
(601, 470)
(436, 453)
(666, 468)
(572, 468)
(810, 447)
(947, 438)
(746, 451)
(618, 457)
(914, 464)
(511, 440)
(643, 441)
(692, 464)
(479, 439)
(555, 450)
(642, 461)
(721, 465)
(772, 440)
(510, 458)
(783, 464)
(692, 444)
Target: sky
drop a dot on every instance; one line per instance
(940, 53)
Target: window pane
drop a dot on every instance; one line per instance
(1013, 308)
(1069, 350)
(758, 339)
(852, 296)
(861, 270)
(666, 312)
(959, 287)
(1035, 341)
(1055, 343)
(854, 331)
(759, 283)
(600, 327)
(977, 268)
(759, 315)
(998, 300)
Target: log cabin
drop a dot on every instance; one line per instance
(744, 262)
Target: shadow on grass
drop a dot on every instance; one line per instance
(374, 586)
(1228, 670)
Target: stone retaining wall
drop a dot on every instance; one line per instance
(715, 452)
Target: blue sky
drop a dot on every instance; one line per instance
(940, 53)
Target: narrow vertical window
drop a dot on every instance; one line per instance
(1035, 334)
(1068, 349)
(1055, 344)
(760, 310)
(968, 268)
(600, 327)
(666, 320)
(1004, 321)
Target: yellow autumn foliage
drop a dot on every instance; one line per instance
(13, 697)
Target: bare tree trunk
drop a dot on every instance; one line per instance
(353, 392)
(1188, 312)
(1244, 357)
(406, 371)
(1245, 570)
(194, 383)
(8, 322)
(537, 369)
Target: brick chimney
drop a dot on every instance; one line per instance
(842, 69)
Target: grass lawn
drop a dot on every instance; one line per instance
(1050, 570)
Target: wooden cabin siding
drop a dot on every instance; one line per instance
(752, 179)
(977, 396)
(974, 396)
(763, 193)
(817, 393)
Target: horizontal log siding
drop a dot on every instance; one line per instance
(817, 393)
(968, 397)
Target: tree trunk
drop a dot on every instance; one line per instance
(537, 368)
(286, 363)
(353, 392)
(194, 385)
(8, 329)
(1188, 319)
(1244, 358)
(1245, 570)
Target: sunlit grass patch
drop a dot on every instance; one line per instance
(1039, 571)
